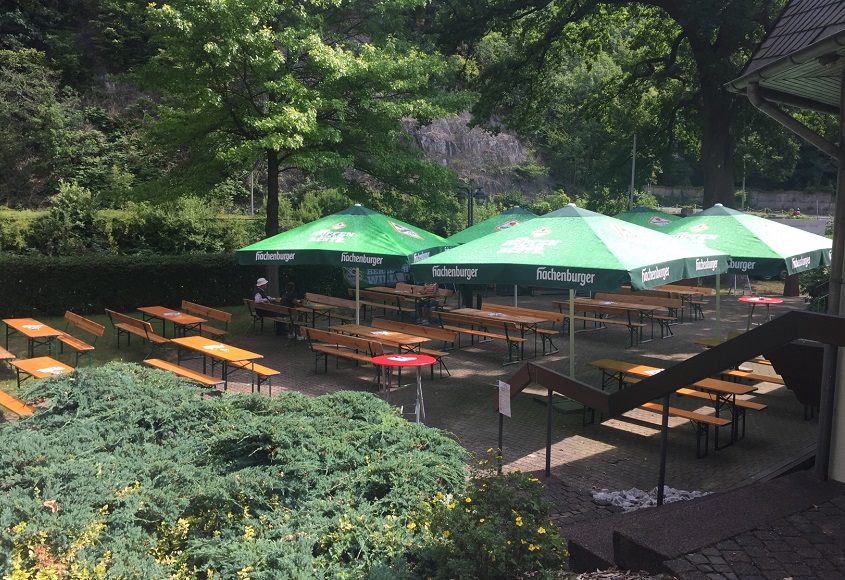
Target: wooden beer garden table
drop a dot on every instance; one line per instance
(723, 392)
(182, 323)
(217, 352)
(399, 340)
(524, 322)
(36, 333)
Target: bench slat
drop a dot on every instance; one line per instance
(203, 379)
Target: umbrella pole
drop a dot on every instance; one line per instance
(515, 293)
(357, 298)
(571, 332)
(718, 308)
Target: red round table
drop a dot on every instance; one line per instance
(390, 361)
(753, 301)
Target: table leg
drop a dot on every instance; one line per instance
(388, 376)
(750, 315)
(420, 406)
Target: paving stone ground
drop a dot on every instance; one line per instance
(616, 454)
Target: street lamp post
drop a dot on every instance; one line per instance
(470, 193)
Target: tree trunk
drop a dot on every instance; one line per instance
(271, 226)
(717, 148)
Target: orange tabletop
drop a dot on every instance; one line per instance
(182, 323)
(226, 354)
(40, 367)
(400, 340)
(37, 334)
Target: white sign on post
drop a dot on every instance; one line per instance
(504, 399)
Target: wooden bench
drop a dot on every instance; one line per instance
(6, 355)
(434, 333)
(742, 405)
(324, 344)
(214, 314)
(379, 300)
(482, 329)
(128, 325)
(546, 334)
(700, 421)
(672, 306)
(256, 317)
(79, 346)
(738, 375)
(197, 377)
(288, 315)
(260, 375)
(15, 405)
(600, 319)
(348, 305)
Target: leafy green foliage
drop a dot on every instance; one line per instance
(497, 527)
(584, 77)
(68, 226)
(126, 472)
(297, 86)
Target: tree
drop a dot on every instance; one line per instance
(680, 53)
(318, 88)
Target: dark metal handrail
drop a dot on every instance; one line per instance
(793, 325)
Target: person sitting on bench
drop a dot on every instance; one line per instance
(288, 299)
(260, 296)
(424, 306)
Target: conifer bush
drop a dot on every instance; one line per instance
(127, 472)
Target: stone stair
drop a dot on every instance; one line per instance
(645, 539)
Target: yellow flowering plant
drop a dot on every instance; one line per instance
(503, 531)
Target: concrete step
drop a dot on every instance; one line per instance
(644, 539)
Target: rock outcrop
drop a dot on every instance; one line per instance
(488, 159)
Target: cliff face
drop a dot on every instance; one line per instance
(475, 154)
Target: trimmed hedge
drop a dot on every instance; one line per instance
(42, 285)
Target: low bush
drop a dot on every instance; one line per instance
(124, 472)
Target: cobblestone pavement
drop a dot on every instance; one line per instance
(616, 454)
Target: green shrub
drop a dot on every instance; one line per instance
(497, 528)
(68, 226)
(124, 472)
(127, 469)
(34, 285)
(13, 229)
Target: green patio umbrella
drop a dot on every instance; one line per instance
(648, 217)
(508, 218)
(575, 249)
(356, 237)
(757, 246)
(498, 223)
